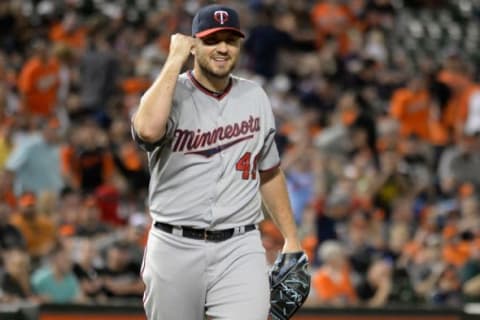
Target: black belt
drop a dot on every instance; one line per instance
(202, 234)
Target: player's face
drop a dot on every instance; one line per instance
(217, 53)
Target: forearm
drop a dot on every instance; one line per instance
(150, 121)
(380, 298)
(275, 197)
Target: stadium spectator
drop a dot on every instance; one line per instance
(68, 206)
(98, 72)
(86, 162)
(69, 32)
(39, 80)
(127, 158)
(358, 245)
(37, 229)
(55, 282)
(121, 275)
(108, 200)
(332, 281)
(265, 42)
(88, 223)
(10, 236)
(86, 271)
(332, 19)
(298, 162)
(411, 107)
(376, 290)
(464, 108)
(15, 281)
(135, 236)
(459, 164)
(392, 183)
(447, 292)
(34, 163)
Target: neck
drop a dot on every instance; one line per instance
(209, 81)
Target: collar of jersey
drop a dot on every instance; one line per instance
(214, 94)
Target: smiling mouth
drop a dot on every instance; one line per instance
(220, 59)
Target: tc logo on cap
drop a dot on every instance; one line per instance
(221, 16)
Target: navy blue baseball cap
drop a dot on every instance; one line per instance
(214, 18)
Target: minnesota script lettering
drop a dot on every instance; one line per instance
(188, 140)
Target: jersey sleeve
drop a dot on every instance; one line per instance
(150, 146)
(269, 156)
(172, 122)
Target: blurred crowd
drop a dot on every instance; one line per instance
(378, 117)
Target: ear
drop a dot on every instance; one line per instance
(192, 50)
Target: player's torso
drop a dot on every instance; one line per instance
(209, 162)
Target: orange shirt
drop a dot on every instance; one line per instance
(309, 244)
(412, 110)
(332, 19)
(135, 85)
(457, 108)
(39, 82)
(72, 166)
(329, 290)
(39, 233)
(130, 157)
(75, 39)
(8, 197)
(450, 114)
(456, 254)
(438, 133)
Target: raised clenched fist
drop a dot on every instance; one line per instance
(180, 46)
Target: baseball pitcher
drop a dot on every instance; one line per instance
(209, 136)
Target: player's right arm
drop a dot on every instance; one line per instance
(150, 120)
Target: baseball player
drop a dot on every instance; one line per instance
(209, 137)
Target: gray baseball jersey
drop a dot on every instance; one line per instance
(204, 172)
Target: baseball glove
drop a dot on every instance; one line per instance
(289, 284)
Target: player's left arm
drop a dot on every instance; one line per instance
(275, 197)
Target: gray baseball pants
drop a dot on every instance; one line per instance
(187, 279)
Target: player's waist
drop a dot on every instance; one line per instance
(204, 234)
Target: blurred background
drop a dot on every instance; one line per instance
(378, 116)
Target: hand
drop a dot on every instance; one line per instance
(289, 284)
(180, 46)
